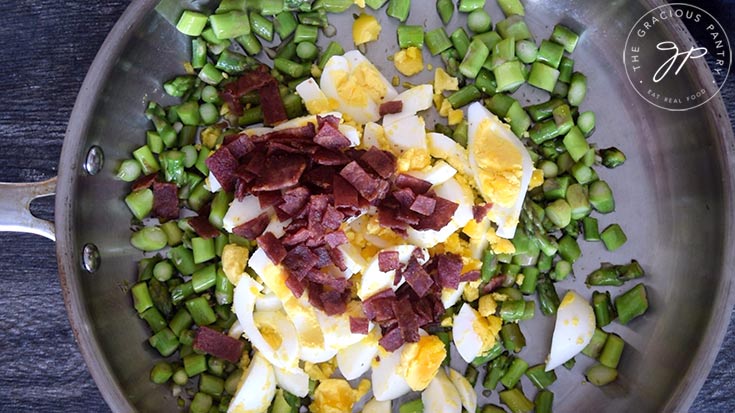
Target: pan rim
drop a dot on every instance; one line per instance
(70, 269)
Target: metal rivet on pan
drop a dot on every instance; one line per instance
(95, 160)
(90, 258)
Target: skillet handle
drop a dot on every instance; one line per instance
(15, 208)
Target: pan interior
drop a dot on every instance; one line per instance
(671, 195)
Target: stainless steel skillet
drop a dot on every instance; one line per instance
(675, 198)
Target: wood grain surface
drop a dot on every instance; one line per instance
(46, 49)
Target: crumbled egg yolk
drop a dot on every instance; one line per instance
(365, 29)
(336, 396)
(413, 159)
(362, 83)
(499, 165)
(360, 3)
(456, 245)
(473, 229)
(234, 260)
(271, 335)
(499, 245)
(409, 61)
(487, 305)
(210, 136)
(320, 371)
(320, 105)
(438, 99)
(519, 279)
(499, 297)
(420, 361)
(471, 291)
(537, 179)
(443, 81)
(487, 329)
(455, 117)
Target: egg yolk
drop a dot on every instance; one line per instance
(500, 165)
(333, 396)
(365, 29)
(499, 245)
(537, 179)
(443, 81)
(409, 61)
(413, 159)
(487, 305)
(234, 260)
(363, 83)
(420, 361)
(310, 334)
(320, 371)
(271, 336)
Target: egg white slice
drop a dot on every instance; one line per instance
(414, 100)
(453, 191)
(388, 383)
(450, 296)
(311, 337)
(356, 359)
(336, 328)
(352, 259)
(409, 133)
(268, 302)
(441, 396)
(465, 390)
(443, 147)
(575, 325)
(351, 133)
(212, 183)
(312, 95)
(375, 406)
(257, 387)
(506, 217)
(371, 135)
(241, 212)
(294, 380)
(374, 280)
(436, 174)
(465, 328)
(246, 293)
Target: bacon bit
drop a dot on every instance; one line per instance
(321, 176)
(281, 171)
(323, 258)
(442, 214)
(240, 145)
(294, 200)
(470, 276)
(296, 287)
(203, 227)
(301, 133)
(272, 247)
(144, 182)
(449, 269)
(392, 339)
(479, 212)
(253, 228)
(223, 164)
(337, 258)
(269, 199)
(315, 292)
(359, 325)
(388, 261)
(165, 201)
(370, 188)
(299, 261)
(419, 280)
(406, 320)
(494, 283)
(387, 108)
(345, 195)
(217, 344)
(297, 237)
(423, 205)
(324, 156)
(419, 186)
(246, 83)
(327, 120)
(382, 162)
(335, 239)
(404, 196)
(272, 104)
(333, 302)
(331, 138)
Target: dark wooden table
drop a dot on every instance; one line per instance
(47, 47)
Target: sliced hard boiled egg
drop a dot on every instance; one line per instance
(271, 332)
(575, 324)
(294, 380)
(257, 387)
(465, 390)
(450, 296)
(441, 396)
(354, 360)
(352, 259)
(455, 192)
(374, 280)
(436, 174)
(373, 135)
(472, 333)
(356, 85)
(241, 212)
(388, 383)
(311, 337)
(409, 133)
(414, 100)
(336, 328)
(315, 100)
(375, 406)
(443, 147)
(501, 165)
